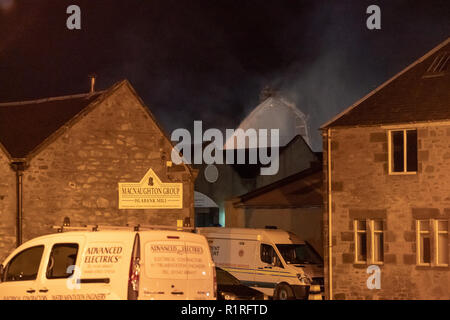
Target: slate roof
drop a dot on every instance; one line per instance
(25, 125)
(413, 95)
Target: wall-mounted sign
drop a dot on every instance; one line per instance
(150, 193)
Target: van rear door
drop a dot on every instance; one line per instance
(164, 274)
(199, 271)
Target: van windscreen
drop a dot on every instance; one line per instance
(299, 254)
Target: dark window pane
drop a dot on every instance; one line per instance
(266, 253)
(61, 258)
(426, 250)
(397, 151)
(411, 150)
(379, 247)
(362, 247)
(25, 265)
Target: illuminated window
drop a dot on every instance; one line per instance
(402, 151)
(441, 228)
(428, 232)
(377, 241)
(423, 242)
(369, 241)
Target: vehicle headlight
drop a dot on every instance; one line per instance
(304, 279)
(228, 296)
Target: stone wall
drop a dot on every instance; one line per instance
(362, 188)
(7, 207)
(77, 174)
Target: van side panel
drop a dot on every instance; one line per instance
(235, 256)
(105, 265)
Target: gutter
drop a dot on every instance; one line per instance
(330, 233)
(19, 167)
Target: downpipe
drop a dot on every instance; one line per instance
(19, 167)
(330, 233)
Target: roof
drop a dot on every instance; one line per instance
(303, 189)
(413, 95)
(273, 113)
(25, 125)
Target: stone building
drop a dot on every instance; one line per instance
(387, 182)
(65, 157)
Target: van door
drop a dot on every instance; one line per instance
(199, 271)
(164, 275)
(268, 269)
(61, 274)
(20, 278)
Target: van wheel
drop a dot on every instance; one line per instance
(283, 292)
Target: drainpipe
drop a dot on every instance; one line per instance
(330, 233)
(19, 166)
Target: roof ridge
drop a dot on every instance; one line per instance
(386, 83)
(43, 100)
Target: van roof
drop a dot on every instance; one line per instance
(114, 234)
(277, 235)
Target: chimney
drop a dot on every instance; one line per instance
(92, 77)
(267, 92)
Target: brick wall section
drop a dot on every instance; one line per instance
(7, 207)
(360, 169)
(77, 174)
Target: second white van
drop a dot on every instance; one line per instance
(273, 261)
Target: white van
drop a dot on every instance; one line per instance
(110, 264)
(273, 261)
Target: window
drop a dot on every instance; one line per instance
(424, 242)
(377, 241)
(369, 241)
(299, 254)
(25, 265)
(360, 241)
(269, 256)
(429, 231)
(441, 242)
(61, 258)
(403, 151)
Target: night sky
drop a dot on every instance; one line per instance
(209, 60)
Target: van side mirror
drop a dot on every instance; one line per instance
(2, 269)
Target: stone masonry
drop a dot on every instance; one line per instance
(362, 188)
